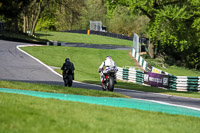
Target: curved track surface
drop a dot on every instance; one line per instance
(17, 66)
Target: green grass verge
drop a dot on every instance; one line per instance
(87, 61)
(20, 36)
(22, 114)
(180, 71)
(81, 38)
(57, 89)
(172, 69)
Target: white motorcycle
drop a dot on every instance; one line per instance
(108, 82)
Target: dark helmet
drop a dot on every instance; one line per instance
(67, 60)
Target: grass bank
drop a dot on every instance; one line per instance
(87, 61)
(81, 38)
(57, 89)
(171, 68)
(22, 114)
(20, 37)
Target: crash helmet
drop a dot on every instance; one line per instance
(67, 60)
(108, 57)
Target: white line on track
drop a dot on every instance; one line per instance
(193, 108)
(18, 47)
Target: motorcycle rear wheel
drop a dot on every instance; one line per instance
(70, 80)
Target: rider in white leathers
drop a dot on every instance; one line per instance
(107, 63)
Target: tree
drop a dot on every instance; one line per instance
(32, 13)
(12, 9)
(94, 10)
(47, 20)
(30, 10)
(69, 14)
(175, 23)
(123, 22)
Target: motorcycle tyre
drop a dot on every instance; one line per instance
(103, 87)
(70, 81)
(111, 84)
(65, 82)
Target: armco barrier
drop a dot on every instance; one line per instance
(130, 75)
(172, 82)
(176, 83)
(139, 59)
(125, 74)
(145, 64)
(139, 77)
(120, 36)
(184, 83)
(55, 43)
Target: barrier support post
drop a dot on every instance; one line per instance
(88, 32)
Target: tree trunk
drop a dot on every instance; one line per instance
(35, 22)
(35, 19)
(16, 24)
(24, 30)
(36, 15)
(151, 50)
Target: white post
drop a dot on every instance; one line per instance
(136, 42)
(96, 25)
(90, 25)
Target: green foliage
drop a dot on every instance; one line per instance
(111, 6)
(175, 24)
(94, 10)
(68, 15)
(123, 22)
(11, 11)
(47, 18)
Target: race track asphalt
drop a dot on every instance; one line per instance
(17, 66)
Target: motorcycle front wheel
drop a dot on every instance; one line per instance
(111, 84)
(104, 87)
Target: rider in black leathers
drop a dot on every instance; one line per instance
(68, 66)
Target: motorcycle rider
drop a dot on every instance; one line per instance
(67, 66)
(107, 63)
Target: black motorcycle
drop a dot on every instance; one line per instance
(68, 78)
(108, 83)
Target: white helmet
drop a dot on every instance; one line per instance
(108, 57)
(109, 62)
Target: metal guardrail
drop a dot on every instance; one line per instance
(130, 75)
(177, 83)
(55, 43)
(184, 83)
